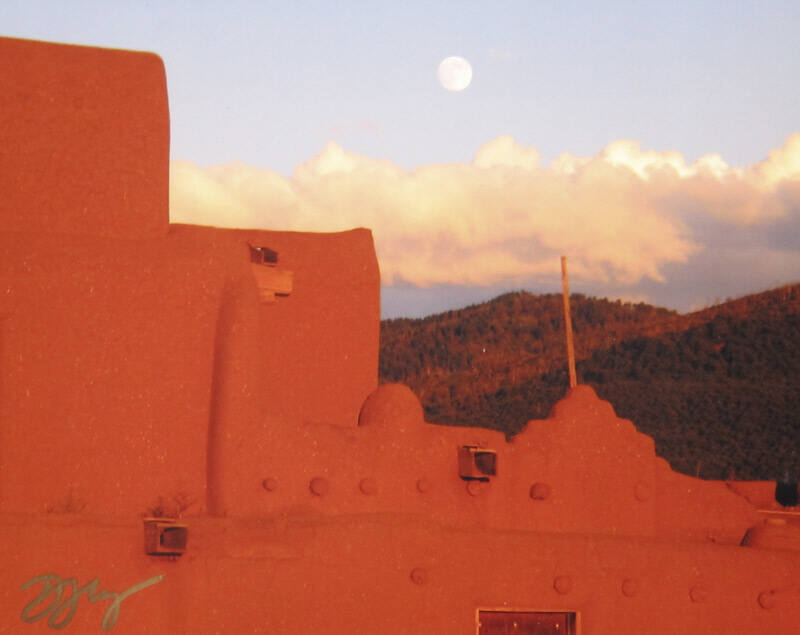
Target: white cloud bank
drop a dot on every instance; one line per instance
(621, 215)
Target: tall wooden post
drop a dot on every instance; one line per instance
(573, 380)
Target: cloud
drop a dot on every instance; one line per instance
(622, 215)
(505, 152)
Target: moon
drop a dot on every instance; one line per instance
(455, 73)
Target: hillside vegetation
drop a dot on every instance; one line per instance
(718, 389)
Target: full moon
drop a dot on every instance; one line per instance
(455, 73)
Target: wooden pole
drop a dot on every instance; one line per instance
(573, 380)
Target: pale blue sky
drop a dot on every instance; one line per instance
(269, 84)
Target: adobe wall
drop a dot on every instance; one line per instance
(582, 470)
(154, 369)
(133, 369)
(84, 145)
(137, 357)
(136, 366)
(386, 573)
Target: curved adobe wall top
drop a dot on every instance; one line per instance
(583, 470)
(84, 140)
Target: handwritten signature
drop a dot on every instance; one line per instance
(61, 611)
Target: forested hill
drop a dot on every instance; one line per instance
(718, 389)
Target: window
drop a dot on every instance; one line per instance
(475, 464)
(263, 255)
(526, 623)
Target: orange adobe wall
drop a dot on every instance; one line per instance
(138, 357)
(225, 383)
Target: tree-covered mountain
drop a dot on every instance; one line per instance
(718, 389)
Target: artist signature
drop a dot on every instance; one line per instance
(61, 611)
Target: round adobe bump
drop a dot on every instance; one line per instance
(773, 533)
(419, 576)
(424, 485)
(368, 486)
(629, 587)
(540, 491)
(767, 599)
(475, 488)
(563, 584)
(698, 594)
(319, 486)
(269, 484)
(392, 405)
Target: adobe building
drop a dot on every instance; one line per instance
(193, 439)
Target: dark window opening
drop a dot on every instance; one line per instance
(786, 493)
(174, 538)
(486, 462)
(526, 623)
(263, 255)
(476, 464)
